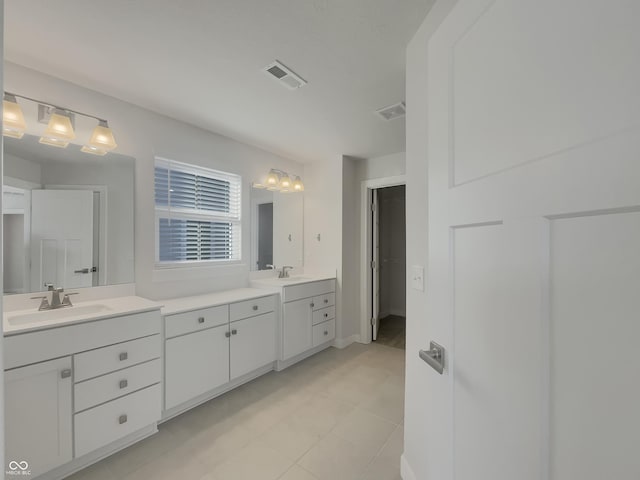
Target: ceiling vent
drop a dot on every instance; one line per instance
(393, 111)
(284, 75)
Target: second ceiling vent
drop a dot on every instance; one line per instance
(393, 111)
(284, 75)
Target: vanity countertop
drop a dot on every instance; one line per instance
(23, 321)
(278, 283)
(187, 304)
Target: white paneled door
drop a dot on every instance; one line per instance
(534, 242)
(61, 238)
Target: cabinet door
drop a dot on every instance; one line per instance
(296, 327)
(253, 343)
(196, 363)
(38, 416)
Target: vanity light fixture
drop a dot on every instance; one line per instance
(60, 125)
(13, 124)
(280, 181)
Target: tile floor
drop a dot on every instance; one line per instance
(335, 416)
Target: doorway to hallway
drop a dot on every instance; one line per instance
(388, 266)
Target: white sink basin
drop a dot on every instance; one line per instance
(57, 314)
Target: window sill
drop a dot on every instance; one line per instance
(169, 272)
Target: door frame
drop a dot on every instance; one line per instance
(366, 188)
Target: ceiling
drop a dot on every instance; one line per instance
(201, 62)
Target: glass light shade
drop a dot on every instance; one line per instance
(54, 142)
(298, 186)
(272, 179)
(13, 124)
(102, 137)
(285, 182)
(59, 126)
(93, 150)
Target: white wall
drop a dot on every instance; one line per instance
(323, 216)
(23, 169)
(350, 241)
(379, 167)
(414, 457)
(143, 134)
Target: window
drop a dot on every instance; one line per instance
(197, 214)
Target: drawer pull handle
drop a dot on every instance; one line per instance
(227, 334)
(326, 332)
(201, 320)
(313, 304)
(123, 356)
(326, 300)
(326, 315)
(234, 332)
(124, 384)
(255, 307)
(122, 419)
(66, 373)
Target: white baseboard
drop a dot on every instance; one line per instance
(405, 470)
(345, 342)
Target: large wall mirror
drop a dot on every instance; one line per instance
(277, 228)
(68, 217)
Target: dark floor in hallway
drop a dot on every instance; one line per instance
(392, 332)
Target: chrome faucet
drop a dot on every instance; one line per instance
(284, 273)
(55, 299)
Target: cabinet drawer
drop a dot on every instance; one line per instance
(115, 357)
(324, 315)
(324, 332)
(182, 323)
(111, 421)
(323, 301)
(113, 385)
(311, 289)
(251, 308)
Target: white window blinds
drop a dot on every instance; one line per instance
(197, 213)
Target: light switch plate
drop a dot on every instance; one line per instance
(417, 277)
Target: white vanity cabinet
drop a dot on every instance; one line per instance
(38, 415)
(80, 391)
(308, 317)
(208, 348)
